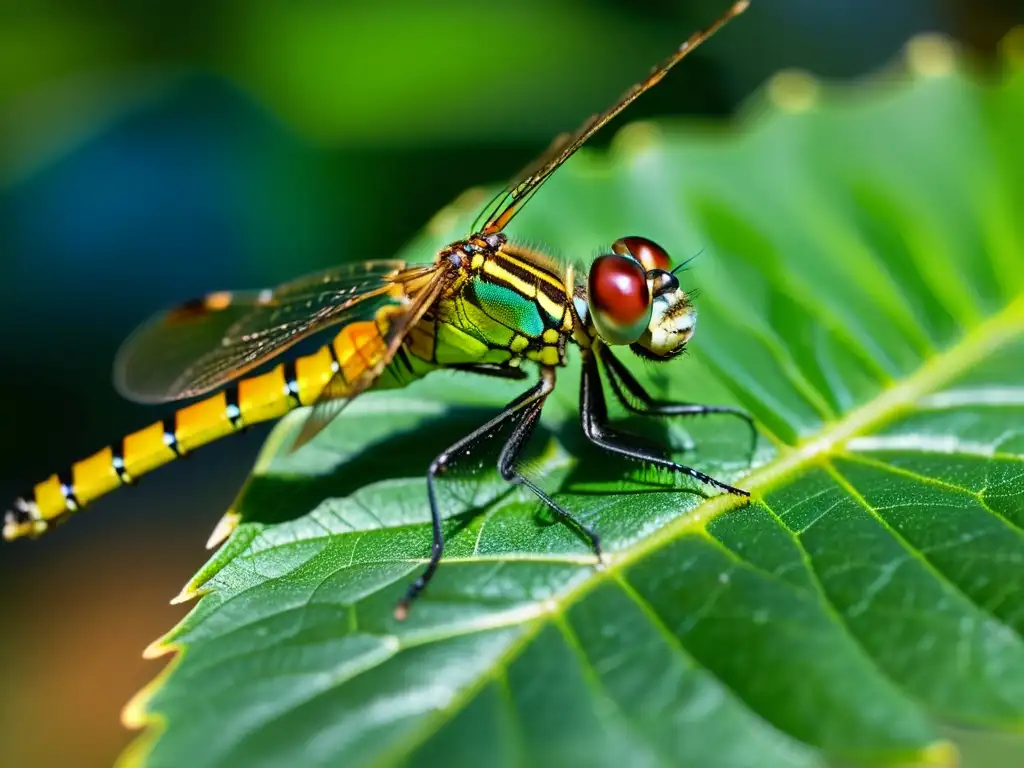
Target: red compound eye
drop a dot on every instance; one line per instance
(647, 252)
(619, 298)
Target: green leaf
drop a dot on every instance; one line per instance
(862, 294)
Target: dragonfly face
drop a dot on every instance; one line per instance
(634, 298)
(485, 306)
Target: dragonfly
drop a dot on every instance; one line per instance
(485, 306)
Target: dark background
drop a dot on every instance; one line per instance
(153, 151)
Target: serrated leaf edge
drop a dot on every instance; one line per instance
(899, 398)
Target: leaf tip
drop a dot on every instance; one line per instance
(156, 649)
(188, 592)
(136, 715)
(931, 55)
(224, 528)
(793, 90)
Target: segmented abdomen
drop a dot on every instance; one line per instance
(249, 401)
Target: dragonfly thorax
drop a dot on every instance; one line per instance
(469, 255)
(502, 305)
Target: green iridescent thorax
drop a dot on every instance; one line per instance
(502, 310)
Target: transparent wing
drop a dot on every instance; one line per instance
(205, 343)
(370, 347)
(502, 210)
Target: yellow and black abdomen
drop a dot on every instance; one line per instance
(249, 401)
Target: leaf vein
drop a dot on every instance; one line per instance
(951, 586)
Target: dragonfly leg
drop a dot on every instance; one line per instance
(594, 420)
(488, 369)
(508, 465)
(640, 402)
(438, 466)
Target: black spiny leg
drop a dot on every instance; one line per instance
(490, 369)
(594, 419)
(526, 400)
(620, 378)
(508, 463)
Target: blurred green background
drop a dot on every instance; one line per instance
(150, 152)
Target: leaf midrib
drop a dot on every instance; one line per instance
(888, 404)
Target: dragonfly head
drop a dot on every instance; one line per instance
(634, 298)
